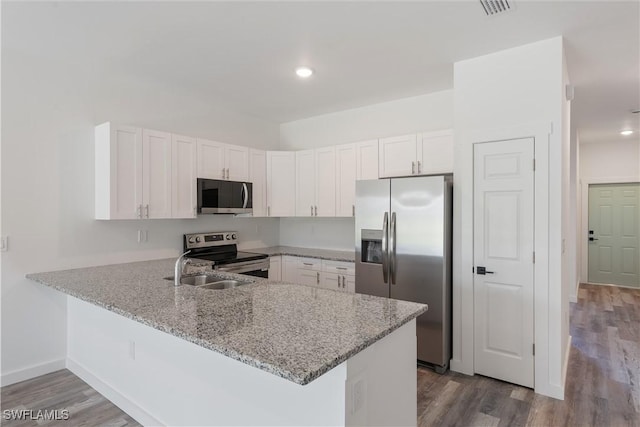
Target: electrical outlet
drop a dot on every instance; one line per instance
(4, 243)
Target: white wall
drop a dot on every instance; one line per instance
(568, 248)
(610, 159)
(325, 233)
(49, 111)
(432, 111)
(420, 113)
(513, 93)
(602, 162)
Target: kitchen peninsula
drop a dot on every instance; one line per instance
(267, 353)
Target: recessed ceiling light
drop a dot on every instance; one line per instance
(304, 72)
(626, 132)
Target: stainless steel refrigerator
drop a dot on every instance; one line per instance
(403, 251)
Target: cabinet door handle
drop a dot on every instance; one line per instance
(353, 210)
(317, 278)
(268, 210)
(413, 168)
(341, 268)
(146, 209)
(139, 211)
(307, 263)
(311, 210)
(316, 211)
(227, 173)
(419, 171)
(195, 211)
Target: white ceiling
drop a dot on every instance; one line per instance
(243, 54)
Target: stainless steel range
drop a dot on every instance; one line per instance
(220, 247)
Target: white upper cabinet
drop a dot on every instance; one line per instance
(236, 161)
(346, 178)
(281, 188)
(367, 160)
(422, 154)
(118, 172)
(222, 161)
(397, 156)
(325, 182)
(305, 183)
(316, 182)
(184, 167)
(156, 174)
(211, 159)
(435, 152)
(258, 178)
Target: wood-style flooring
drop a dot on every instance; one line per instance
(603, 376)
(603, 381)
(58, 391)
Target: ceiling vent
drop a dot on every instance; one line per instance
(496, 7)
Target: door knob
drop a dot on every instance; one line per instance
(591, 239)
(482, 271)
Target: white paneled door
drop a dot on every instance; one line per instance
(504, 260)
(156, 174)
(184, 171)
(305, 184)
(614, 234)
(258, 178)
(325, 182)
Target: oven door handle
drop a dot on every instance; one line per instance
(245, 195)
(243, 267)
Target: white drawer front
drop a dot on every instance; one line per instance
(309, 264)
(339, 267)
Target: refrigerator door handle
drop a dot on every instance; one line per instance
(392, 249)
(385, 247)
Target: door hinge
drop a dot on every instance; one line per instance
(534, 349)
(534, 257)
(534, 164)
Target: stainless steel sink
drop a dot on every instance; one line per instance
(223, 284)
(205, 281)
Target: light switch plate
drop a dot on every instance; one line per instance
(4, 243)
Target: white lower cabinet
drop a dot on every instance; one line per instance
(339, 275)
(308, 271)
(289, 269)
(335, 275)
(275, 268)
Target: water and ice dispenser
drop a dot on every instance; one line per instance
(371, 246)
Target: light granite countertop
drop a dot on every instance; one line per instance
(293, 331)
(328, 254)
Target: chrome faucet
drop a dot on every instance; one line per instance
(180, 264)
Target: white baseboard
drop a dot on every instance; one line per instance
(565, 366)
(121, 401)
(31, 372)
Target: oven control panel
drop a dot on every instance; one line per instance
(208, 240)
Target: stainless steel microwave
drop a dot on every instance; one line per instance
(216, 196)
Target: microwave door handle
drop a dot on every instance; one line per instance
(385, 248)
(245, 195)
